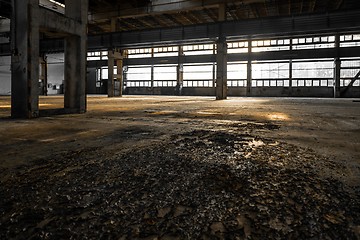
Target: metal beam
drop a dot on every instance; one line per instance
(161, 7)
(339, 22)
(254, 56)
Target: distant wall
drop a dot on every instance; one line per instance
(5, 76)
(241, 91)
(55, 73)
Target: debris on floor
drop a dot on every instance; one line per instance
(223, 182)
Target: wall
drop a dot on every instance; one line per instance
(327, 92)
(55, 73)
(5, 76)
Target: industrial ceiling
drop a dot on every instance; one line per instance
(129, 15)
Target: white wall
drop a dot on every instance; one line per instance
(55, 72)
(5, 76)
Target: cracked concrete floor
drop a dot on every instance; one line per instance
(329, 128)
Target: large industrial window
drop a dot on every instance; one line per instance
(199, 49)
(166, 51)
(349, 69)
(350, 40)
(139, 53)
(313, 73)
(198, 75)
(270, 45)
(270, 74)
(93, 56)
(236, 74)
(138, 76)
(237, 47)
(313, 42)
(165, 76)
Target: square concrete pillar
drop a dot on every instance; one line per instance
(337, 77)
(25, 59)
(119, 76)
(221, 69)
(75, 58)
(249, 70)
(111, 82)
(179, 72)
(115, 81)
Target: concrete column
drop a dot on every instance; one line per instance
(111, 59)
(75, 58)
(115, 81)
(221, 59)
(249, 70)
(152, 79)
(179, 72)
(221, 69)
(337, 69)
(111, 83)
(119, 74)
(25, 59)
(152, 73)
(290, 68)
(214, 70)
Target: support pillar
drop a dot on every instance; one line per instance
(115, 81)
(152, 73)
(179, 72)
(111, 82)
(27, 20)
(337, 69)
(214, 70)
(337, 77)
(221, 69)
(290, 69)
(249, 70)
(221, 59)
(75, 58)
(119, 75)
(25, 59)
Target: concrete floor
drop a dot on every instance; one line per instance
(329, 128)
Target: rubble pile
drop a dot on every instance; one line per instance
(204, 184)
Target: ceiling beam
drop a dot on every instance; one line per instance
(146, 23)
(166, 6)
(173, 19)
(164, 21)
(194, 18)
(311, 24)
(211, 14)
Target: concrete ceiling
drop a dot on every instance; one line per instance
(130, 15)
(106, 15)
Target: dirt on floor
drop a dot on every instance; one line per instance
(146, 167)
